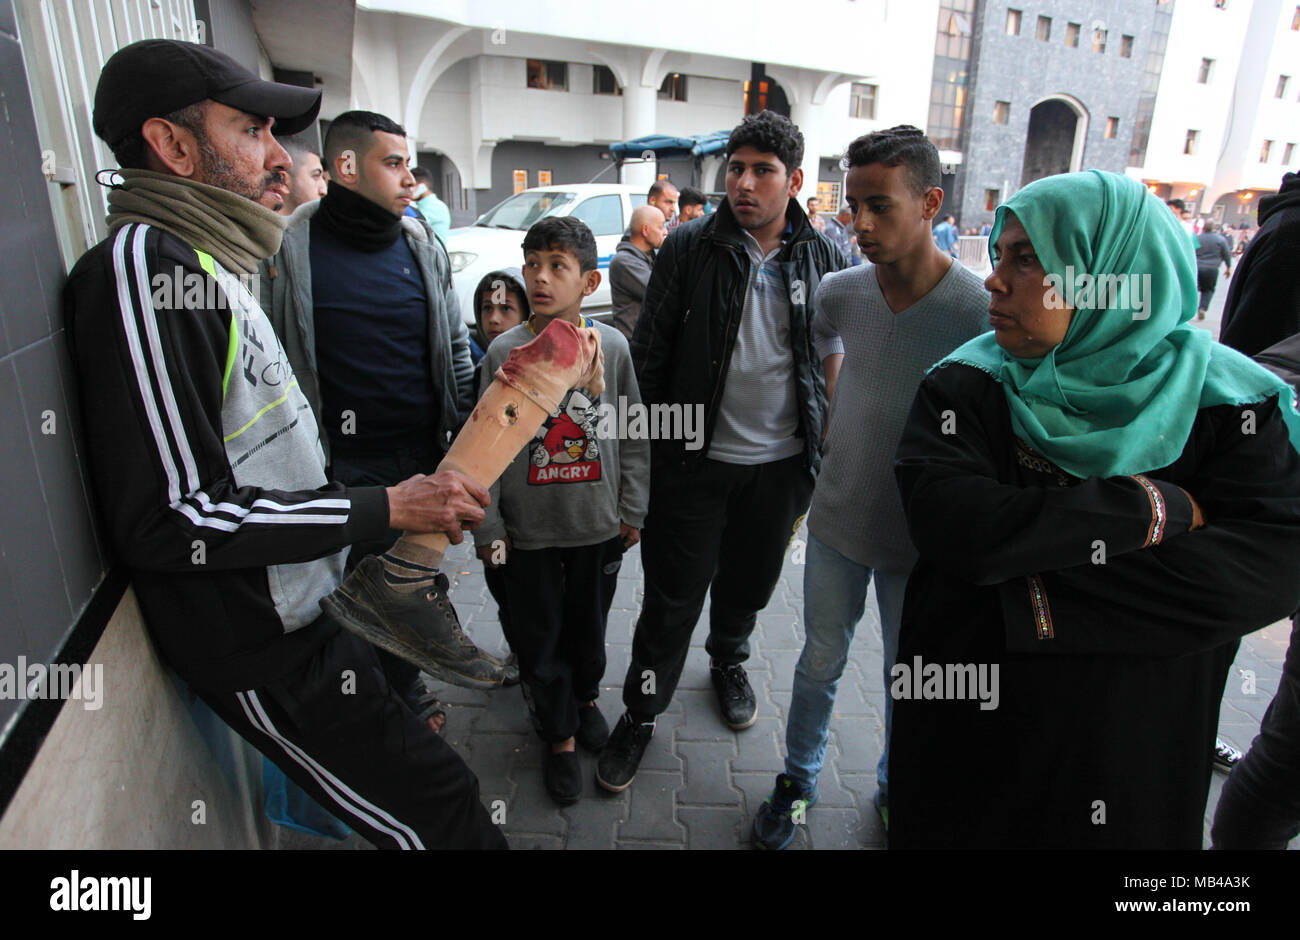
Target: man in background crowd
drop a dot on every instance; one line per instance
(690, 205)
(306, 176)
(629, 270)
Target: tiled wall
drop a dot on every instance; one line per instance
(50, 559)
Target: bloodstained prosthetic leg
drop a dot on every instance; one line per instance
(422, 628)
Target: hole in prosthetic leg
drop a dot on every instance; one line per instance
(512, 413)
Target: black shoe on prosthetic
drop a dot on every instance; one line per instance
(420, 627)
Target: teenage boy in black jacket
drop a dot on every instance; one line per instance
(724, 347)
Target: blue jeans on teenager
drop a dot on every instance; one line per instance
(834, 597)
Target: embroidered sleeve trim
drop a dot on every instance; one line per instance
(1042, 611)
(1159, 515)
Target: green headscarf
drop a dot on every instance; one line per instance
(1119, 394)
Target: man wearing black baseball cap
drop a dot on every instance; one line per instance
(207, 460)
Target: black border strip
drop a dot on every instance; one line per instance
(19, 748)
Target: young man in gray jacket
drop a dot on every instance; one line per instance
(629, 270)
(363, 301)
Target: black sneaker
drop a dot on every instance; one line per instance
(623, 752)
(563, 777)
(778, 818)
(593, 729)
(735, 696)
(1225, 756)
(421, 627)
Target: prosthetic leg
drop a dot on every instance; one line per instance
(422, 628)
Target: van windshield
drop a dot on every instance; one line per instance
(521, 211)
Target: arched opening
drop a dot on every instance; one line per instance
(1054, 141)
(447, 185)
(771, 97)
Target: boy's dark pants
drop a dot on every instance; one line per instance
(724, 527)
(559, 601)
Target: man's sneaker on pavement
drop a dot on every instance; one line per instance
(1225, 756)
(420, 627)
(735, 696)
(618, 762)
(778, 819)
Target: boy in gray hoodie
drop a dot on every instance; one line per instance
(566, 509)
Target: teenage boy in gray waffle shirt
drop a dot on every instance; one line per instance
(879, 327)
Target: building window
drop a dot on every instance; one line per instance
(1112, 127)
(603, 81)
(828, 194)
(1001, 112)
(1207, 69)
(543, 177)
(1044, 31)
(1282, 81)
(862, 101)
(1126, 47)
(1072, 35)
(992, 199)
(1099, 40)
(1189, 145)
(950, 74)
(1013, 22)
(1288, 154)
(1265, 150)
(548, 76)
(520, 179)
(673, 88)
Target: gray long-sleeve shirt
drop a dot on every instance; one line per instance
(586, 469)
(856, 509)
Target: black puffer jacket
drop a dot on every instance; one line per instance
(691, 314)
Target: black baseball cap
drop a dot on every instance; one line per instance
(155, 77)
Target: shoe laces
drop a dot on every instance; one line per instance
(438, 597)
(786, 795)
(735, 682)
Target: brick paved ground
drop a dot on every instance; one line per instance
(700, 783)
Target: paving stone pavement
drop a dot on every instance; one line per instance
(701, 783)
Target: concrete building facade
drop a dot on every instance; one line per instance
(1052, 88)
(1226, 122)
(502, 92)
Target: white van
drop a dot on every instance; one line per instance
(493, 242)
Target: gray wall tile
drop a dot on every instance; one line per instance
(37, 598)
(62, 485)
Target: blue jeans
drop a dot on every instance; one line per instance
(834, 597)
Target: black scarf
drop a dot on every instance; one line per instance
(356, 221)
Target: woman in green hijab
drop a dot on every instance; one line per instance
(1104, 501)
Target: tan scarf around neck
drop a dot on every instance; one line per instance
(234, 229)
